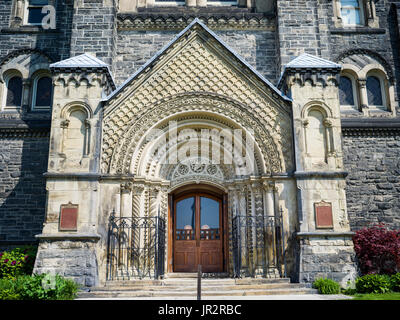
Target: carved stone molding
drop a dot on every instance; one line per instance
(119, 157)
(179, 22)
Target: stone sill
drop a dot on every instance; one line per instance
(360, 30)
(28, 29)
(68, 236)
(324, 234)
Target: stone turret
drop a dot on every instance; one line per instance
(67, 243)
(324, 231)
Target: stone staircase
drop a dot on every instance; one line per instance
(184, 286)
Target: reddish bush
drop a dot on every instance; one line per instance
(377, 250)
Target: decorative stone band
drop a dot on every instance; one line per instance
(346, 234)
(78, 70)
(154, 21)
(24, 133)
(371, 127)
(69, 236)
(320, 174)
(16, 128)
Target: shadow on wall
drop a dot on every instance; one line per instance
(24, 152)
(23, 160)
(394, 26)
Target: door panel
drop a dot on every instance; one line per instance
(198, 234)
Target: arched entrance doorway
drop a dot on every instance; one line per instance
(197, 229)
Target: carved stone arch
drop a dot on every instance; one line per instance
(152, 162)
(317, 105)
(76, 105)
(19, 52)
(158, 149)
(27, 61)
(368, 53)
(117, 156)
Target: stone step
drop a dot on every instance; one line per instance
(193, 282)
(205, 288)
(187, 287)
(149, 293)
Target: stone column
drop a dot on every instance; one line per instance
(258, 231)
(269, 229)
(117, 204)
(64, 127)
(242, 231)
(362, 83)
(26, 84)
(191, 3)
(126, 200)
(202, 3)
(137, 191)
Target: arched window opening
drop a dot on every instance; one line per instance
(347, 92)
(374, 92)
(42, 93)
(316, 136)
(75, 144)
(14, 92)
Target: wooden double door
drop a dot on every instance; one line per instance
(198, 233)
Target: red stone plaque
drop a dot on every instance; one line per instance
(323, 215)
(69, 217)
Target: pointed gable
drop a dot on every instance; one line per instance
(196, 25)
(196, 62)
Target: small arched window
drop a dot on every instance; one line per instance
(42, 92)
(347, 92)
(375, 92)
(12, 92)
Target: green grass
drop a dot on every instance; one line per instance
(377, 296)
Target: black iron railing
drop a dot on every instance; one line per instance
(258, 246)
(136, 248)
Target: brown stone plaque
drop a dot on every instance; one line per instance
(323, 215)
(69, 217)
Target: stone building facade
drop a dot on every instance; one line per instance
(97, 96)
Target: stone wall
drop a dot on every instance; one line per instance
(94, 29)
(23, 160)
(78, 255)
(373, 183)
(55, 43)
(135, 48)
(327, 257)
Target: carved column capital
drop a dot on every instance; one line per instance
(64, 123)
(268, 186)
(126, 187)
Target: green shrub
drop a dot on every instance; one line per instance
(373, 283)
(16, 262)
(326, 286)
(8, 290)
(38, 287)
(395, 282)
